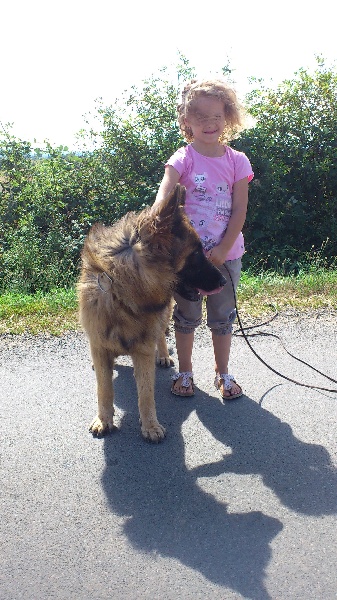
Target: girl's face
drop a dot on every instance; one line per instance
(207, 121)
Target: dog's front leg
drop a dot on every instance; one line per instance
(163, 358)
(103, 365)
(144, 368)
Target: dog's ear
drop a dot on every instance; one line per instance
(174, 201)
(180, 194)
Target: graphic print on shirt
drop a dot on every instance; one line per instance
(208, 243)
(203, 198)
(200, 189)
(212, 204)
(223, 203)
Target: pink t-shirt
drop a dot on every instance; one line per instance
(209, 185)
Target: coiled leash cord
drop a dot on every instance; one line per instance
(242, 330)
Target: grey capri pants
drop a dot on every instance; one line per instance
(221, 313)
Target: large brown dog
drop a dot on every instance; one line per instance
(129, 272)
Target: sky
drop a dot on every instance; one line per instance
(58, 57)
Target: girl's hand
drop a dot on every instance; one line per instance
(217, 256)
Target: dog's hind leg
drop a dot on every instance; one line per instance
(103, 365)
(144, 369)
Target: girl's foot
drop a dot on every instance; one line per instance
(183, 384)
(227, 386)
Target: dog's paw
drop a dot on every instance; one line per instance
(154, 432)
(100, 427)
(164, 361)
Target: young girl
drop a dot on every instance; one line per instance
(216, 179)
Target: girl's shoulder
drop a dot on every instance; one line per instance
(240, 162)
(235, 155)
(180, 159)
(181, 153)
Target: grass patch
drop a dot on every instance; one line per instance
(310, 290)
(57, 312)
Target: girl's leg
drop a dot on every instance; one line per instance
(187, 316)
(222, 346)
(184, 344)
(221, 314)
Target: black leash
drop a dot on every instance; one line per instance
(241, 331)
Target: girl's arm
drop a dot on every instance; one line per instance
(219, 253)
(171, 177)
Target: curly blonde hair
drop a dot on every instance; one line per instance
(215, 88)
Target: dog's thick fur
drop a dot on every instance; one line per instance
(129, 272)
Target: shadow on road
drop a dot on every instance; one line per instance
(169, 514)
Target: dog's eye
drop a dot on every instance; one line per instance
(195, 254)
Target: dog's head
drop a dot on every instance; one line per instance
(198, 276)
(194, 271)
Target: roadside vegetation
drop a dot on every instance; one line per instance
(56, 312)
(49, 197)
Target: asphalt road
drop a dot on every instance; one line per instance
(239, 501)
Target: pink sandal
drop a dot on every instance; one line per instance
(187, 381)
(227, 379)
